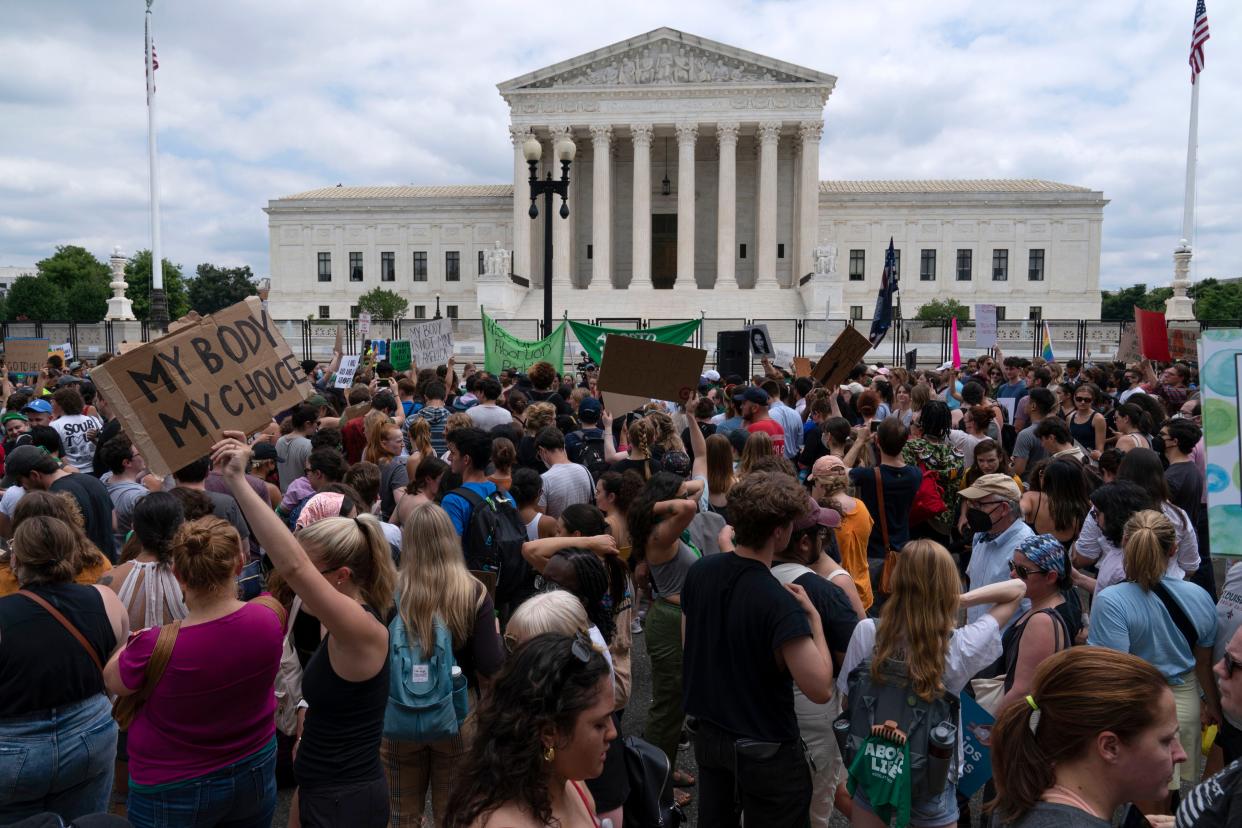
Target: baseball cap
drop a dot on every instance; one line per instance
(591, 408)
(752, 394)
(1000, 485)
(67, 379)
(317, 400)
(264, 451)
(677, 462)
(26, 459)
(13, 415)
(75, 365)
(824, 467)
(40, 406)
(817, 516)
(711, 375)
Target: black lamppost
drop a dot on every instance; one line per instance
(548, 188)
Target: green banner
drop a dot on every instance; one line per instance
(591, 337)
(503, 350)
(399, 354)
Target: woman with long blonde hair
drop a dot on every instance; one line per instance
(419, 434)
(720, 473)
(433, 585)
(758, 445)
(917, 626)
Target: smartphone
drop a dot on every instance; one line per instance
(875, 425)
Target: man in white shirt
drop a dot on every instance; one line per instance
(293, 448)
(995, 519)
(73, 427)
(564, 483)
(487, 414)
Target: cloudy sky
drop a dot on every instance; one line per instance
(262, 99)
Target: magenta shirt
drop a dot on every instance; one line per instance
(215, 703)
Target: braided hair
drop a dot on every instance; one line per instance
(592, 588)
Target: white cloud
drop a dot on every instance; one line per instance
(260, 100)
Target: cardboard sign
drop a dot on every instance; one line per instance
(846, 351)
(1128, 346)
(176, 396)
(637, 370)
(1184, 343)
(985, 326)
(1153, 335)
(364, 325)
(802, 366)
(399, 354)
(760, 341)
(346, 370)
(125, 346)
(431, 343)
(26, 356)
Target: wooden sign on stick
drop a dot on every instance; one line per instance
(846, 352)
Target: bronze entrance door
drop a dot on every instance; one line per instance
(664, 250)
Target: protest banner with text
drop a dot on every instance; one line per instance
(504, 351)
(399, 354)
(635, 371)
(176, 396)
(26, 356)
(431, 343)
(346, 370)
(593, 337)
(985, 326)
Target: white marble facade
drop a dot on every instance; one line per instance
(738, 137)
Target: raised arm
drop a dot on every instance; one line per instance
(538, 552)
(674, 516)
(698, 444)
(1004, 596)
(611, 455)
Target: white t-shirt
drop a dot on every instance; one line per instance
(9, 502)
(1109, 559)
(565, 484)
(77, 451)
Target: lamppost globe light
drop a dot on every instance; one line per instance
(532, 149)
(565, 149)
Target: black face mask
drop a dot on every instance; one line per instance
(978, 520)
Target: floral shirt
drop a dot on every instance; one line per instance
(948, 465)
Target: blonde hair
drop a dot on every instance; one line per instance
(420, 436)
(719, 464)
(375, 452)
(918, 618)
(548, 612)
(667, 437)
(539, 415)
(1148, 540)
(456, 420)
(44, 551)
(359, 544)
(920, 394)
(433, 579)
(758, 445)
(206, 553)
(642, 433)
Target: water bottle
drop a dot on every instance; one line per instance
(461, 699)
(941, 745)
(841, 730)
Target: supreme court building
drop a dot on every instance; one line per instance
(695, 188)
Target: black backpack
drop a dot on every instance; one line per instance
(648, 806)
(591, 454)
(492, 542)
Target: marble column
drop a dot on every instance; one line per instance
(687, 134)
(601, 206)
(562, 247)
(641, 232)
(521, 204)
(726, 206)
(765, 256)
(807, 215)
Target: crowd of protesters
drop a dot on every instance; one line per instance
(416, 599)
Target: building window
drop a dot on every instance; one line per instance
(1035, 313)
(480, 263)
(325, 267)
(452, 266)
(388, 267)
(1035, 266)
(353, 311)
(590, 251)
(927, 265)
(856, 311)
(964, 257)
(355, 267)
(1000, 265)
(858, 265)
(1000, 313)
(450, 311)
(780, 251)
(420, 311)
(741, 251)
(420, 265)
(325, 312)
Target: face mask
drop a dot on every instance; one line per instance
(978, 520)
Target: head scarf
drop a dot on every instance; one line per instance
(1045, 552)
(320, 506)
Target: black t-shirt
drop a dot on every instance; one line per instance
(835, 611)
(96, 506)
(1216, 802)
(737, 615)
(707, 430)
(554, 397)
(1185, 488)
(646, 468)
(813, 447)
(900, 487)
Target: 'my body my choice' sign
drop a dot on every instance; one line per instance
(175, 396)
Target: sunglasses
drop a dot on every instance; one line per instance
(1024, 573)
(1084, 399)
(1230, 664)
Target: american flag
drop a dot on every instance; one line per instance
(1197, 38)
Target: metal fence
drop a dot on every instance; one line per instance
(1084, 339)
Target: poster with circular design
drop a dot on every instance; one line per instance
(1220, 378)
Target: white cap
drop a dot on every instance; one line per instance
(711, 375)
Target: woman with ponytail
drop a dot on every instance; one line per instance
(145, 582)
(1169, 623)
(638, 457)
(1097, 730)
(1133, 424)
(342, 570)
(202, 746)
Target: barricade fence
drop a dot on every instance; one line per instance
(1084, 339)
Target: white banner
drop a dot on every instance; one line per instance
(985, 326)
(431, 343)
(345, 373)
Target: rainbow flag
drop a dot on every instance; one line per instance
(1045, 350)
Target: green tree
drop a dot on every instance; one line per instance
(81, 279)
(942, 310)
(216, 288)
(1215, 300)
(4, 307)
(36, 298)
(1118, 305)
(383, 304)
(138, 281)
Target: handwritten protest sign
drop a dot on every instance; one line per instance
(985, 326)
(431, 343)
(802, 366)
(399, 354)
(26, 356)
(176, 396)
(1128, 346)
(364, 325)
(848, 348)
(634, 371)
(346, 370)
(1184, 343)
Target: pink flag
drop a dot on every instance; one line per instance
(957, 352)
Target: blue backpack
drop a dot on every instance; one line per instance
(426, 703)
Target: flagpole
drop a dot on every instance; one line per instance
(1180, 306)
(158, 316)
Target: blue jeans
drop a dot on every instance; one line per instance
(58, 760)
(240, 795)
